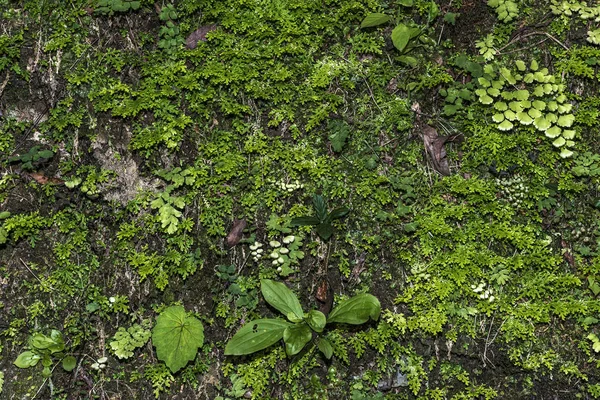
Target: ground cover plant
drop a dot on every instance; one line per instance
(275, 199)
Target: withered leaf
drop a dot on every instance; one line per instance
(235, 235)
(44, 180)
(198, 35)
(324, 296)
(434, 145)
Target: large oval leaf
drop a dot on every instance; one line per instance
(256, 335)
(27, 359)
(177, 337)
(283, 299)
(295, 338)
(356, 310)
(374, 19)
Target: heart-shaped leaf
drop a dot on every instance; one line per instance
(177, 337)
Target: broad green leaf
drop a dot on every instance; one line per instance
(68, 363)
(41, 341)
(406, 3)
(316, 320)
(320, 207)
(177, 337)
(401, 35)
(408, 60)
(338, 213)
(27, 359)
(281, 298)
(325, 230)
(356, 310)
(374, 19)
(4, 214)
(325, 347)
(256, 335)
(304, 221)
(295, 338)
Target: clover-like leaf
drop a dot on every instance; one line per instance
(177, 337)
(256, 335)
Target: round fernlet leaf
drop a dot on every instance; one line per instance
(68, 363)
(506, 125)
(568, 134)
(566, 120)
(566, 153)
(541, 123)
(485, 99)
(510, 115)
(559, 142)
(177, 337)
(499, 117)
(524, 118)
(553, 132)
(500, 106)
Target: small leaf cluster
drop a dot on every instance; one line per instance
(125, 341)
(507, 10)
(542, 103)
(323, 219)
(34, 157)
(43, 348)
(112, 6)
(262, 333)
(586, 13)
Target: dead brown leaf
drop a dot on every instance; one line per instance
(198, 35)
(236, 233)
(324, 296)
(434, 145)
(44, 180)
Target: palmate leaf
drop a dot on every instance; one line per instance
(177, 337)
(282, 299)
(356, 310)
(256, 335)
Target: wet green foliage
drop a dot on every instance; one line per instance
(159, 163)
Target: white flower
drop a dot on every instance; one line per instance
(275, 262)
(112, 299)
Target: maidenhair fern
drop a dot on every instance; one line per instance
(587, 13)
(529, 96)
(506, 10)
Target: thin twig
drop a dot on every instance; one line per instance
(532, 34)
(30, 271)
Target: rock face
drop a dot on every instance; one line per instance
(112, 154)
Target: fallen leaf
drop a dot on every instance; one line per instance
(198, 35)
(235, 235)
(324, 296)
(434, 145)
(44, 180)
